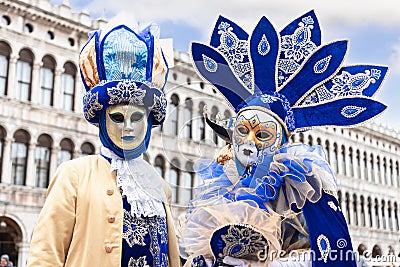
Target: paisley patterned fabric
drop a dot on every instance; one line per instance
(145, 240)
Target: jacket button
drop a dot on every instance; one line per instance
(111, 218)
(108, 248)
(110, 191)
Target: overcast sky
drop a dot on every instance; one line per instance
(373, 27)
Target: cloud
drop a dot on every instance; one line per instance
(196, 13)
(395, 58)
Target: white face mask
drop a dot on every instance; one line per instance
(126, 125)
(256, 134)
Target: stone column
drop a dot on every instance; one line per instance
(378, 178)
(347, 162)
(362, 173)
(30, 167)
(366, 214)
(373, 212)
(385, 173)
(53, 161)
(57, 89)
(23, 252)
(36, 94)
(394, 178)
(340, 167)
(392, 218)
(195, 126)
(375, 176)
(76, 154)
(344, 207)
(380, 217)
(351, 209)
(7, 163)
(78, 95)
(369, 174)
(354, 171)
(12, 76)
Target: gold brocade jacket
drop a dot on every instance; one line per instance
(81, 222)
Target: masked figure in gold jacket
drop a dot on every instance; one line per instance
(112, 209)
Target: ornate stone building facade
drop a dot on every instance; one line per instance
(41, 125)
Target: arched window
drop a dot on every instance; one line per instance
(358, 159)
(301, 137)
(310, 140)
(397, 174)
(383, 176)
(66, 151)
(327, 151)
(188, 116)
(361, 249)
(68, 86)
(355, 206)
(365, 166)
(376, 251)
(5, 52)
(390, 178)
(87, 149)
(186, 185)
(159, 165)
(383, 214)
(174, 114)
(389, 214)
(214, 112)
(24, 75)
(19, 154)
(378, 169)
(343, 162)
(370, 211)
(174, 179)
(371, 163)
(351, 167)
(362, 204)
(2, 138)
(227, 114)
(202, 125)
(335, 165)
(376, 208)
(42, 160)
(396, 217)
(348, 211)
(47, 81)
(391, 250)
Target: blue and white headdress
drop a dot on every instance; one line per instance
(289, 74)
(124, 67)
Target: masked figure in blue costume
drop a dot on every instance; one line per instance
(263, 194)
(112, 209)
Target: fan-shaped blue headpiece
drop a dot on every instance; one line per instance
(289, 74)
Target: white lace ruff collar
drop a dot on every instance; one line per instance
(140, 183)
